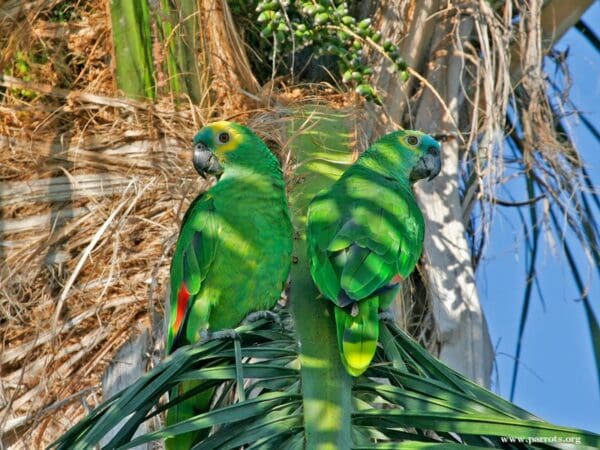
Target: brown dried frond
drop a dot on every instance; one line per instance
(91, 186)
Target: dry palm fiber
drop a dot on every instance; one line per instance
(91, 186)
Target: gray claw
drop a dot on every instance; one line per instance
(257, 315)
(387, 315)
(220, 334)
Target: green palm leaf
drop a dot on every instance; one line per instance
(420, 404)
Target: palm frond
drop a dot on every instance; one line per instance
(589, 34)
(410, 401)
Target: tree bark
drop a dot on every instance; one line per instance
(462, 329)
(230, 71)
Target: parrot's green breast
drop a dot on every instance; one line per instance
(233, 253)
(239, 244)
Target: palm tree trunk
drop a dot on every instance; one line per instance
(132, 48)
(462, 331)
(321, 152)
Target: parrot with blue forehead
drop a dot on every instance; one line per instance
(234, 249)
(365, 235)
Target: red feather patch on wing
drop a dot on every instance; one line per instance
(397, 279)
(183, 297)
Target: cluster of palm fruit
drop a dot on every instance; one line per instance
(330, 29)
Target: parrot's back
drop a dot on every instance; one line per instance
(365, 236)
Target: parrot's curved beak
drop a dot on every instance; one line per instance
(205, 161)
(428, 166)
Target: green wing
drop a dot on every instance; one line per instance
(194, 254)
(362, 234)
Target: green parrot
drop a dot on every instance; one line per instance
(234, 249)
(365, 236)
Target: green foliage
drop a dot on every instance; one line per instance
(328, 28)
(271, 386)
(406, 399)
(132, 42)
(63, 12)
(22, 68)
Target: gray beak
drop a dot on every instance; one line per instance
(428, 166)
(205, 162)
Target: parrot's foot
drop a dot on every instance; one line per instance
(206, 336)
(257, 315)
(387, 315)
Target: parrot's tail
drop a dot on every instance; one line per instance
(357, 333)
(188, 408)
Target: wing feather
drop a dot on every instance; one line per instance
(194, 254)
(359, 239)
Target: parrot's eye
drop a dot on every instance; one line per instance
(223, 137)
(412, 140)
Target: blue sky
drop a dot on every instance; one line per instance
(557, 379)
